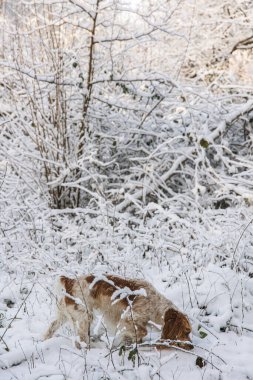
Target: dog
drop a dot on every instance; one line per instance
(127, 305)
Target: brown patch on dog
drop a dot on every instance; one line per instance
(176, 327)
(104, 288)
(89, 278)
(68, 284)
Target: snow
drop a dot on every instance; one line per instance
(197, 278)
(127, 151)
(126, 292)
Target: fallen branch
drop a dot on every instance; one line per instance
(168, 344)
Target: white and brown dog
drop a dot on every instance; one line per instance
(127, 305)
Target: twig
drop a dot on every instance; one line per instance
(168, 345)
(241, 327)
(233, 259)
(6, 346)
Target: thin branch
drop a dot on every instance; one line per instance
(82, 8)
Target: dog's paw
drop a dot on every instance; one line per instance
(81, 345)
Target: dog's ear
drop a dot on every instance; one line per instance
(171, 315)
(177, 327)
(172, 324)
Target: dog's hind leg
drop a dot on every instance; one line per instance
(57, 323)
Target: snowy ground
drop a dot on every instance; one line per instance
(195, 261)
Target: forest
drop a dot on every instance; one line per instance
(126, 147)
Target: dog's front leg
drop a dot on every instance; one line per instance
(131, 330)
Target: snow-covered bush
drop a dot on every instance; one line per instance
(98, 128)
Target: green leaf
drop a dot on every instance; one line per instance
(204, 143)
(202, 334)
(122, 350)
(132, 353)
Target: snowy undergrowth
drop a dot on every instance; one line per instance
(201, 260)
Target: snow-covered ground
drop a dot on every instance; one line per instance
(203, 263)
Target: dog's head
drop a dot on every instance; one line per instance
(177, 327)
